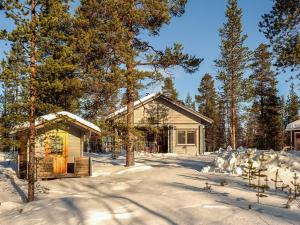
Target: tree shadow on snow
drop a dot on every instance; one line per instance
(21, 193)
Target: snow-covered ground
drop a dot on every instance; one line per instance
(158, 190)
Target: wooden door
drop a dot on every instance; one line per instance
(57, 150)
(297, 141)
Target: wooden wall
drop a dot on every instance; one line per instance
(179, 119)
(74, 148)
(73, 144)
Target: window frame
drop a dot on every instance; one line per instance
(54, 142)
(186, 137)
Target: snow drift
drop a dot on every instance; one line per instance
(233, 161)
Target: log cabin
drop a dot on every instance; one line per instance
(60, 141)
(167, 126)
(294, 133)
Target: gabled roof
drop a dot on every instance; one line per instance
(53, 116)
(293, 126)
(152, 97)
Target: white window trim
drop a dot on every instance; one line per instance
(186, 131)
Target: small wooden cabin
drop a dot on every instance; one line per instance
(60, 142)
(168, 126)
(294, 131)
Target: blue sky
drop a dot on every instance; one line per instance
(197, 30)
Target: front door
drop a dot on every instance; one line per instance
(57, 150)
(297, 141)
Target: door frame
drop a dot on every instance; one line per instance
(64, 135)
(295, 140)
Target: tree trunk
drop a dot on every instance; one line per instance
(233, 119)
(233, 126)
(130, 125)
(31, 166)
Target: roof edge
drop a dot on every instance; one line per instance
(153, 96)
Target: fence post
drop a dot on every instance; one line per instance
(90, 166)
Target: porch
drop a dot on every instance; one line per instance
(48, 168)
(157, 140)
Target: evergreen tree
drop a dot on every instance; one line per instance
(232, 65)
(124, 51)
(222, 137)
(281, 27)
(40, 33)
(292, 106)
(59, 85)
(207, 101)
(189, 102)
(14, 100)
(93, 49)
(266, 106)
(168, 89)
(259, 173)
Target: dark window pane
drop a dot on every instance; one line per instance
(56, 145)
(191, 137)
(181, 137)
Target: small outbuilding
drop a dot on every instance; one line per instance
(294, 130)
(60, 142)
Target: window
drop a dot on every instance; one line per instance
(191, 137)
(181, 137)
(186, 137)
(56, 145)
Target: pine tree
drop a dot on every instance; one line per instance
(37, 32)
(266, 105)
(189, 102)
(262, 185)
(59, 85)
(281, 27)
(13, 80)
(207, 101)
(222, 134)
(232, 65)
(249, 170)
(168, 89)
(124, 51)
(292, 106)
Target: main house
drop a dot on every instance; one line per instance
(60, 141)
(167, 126)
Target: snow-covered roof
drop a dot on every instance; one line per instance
(53, 116)
(294, 125)
(152, 96)
(142, 100)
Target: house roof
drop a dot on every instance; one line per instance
(152, 97)
(293, 126)
(53, 116)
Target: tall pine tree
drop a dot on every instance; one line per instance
(232, 65)
(41, 33)
(119, 34)
(267, 105)
(281, 27)
(207, 101)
